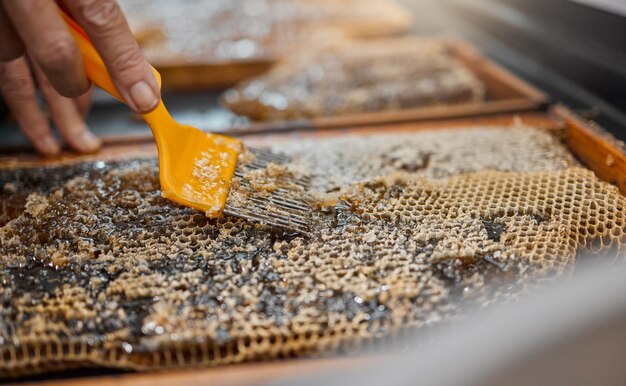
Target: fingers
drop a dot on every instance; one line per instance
(53, 52)
(18, 89)
(108, 30)
(67, 117)
(49, 43)
(11, 47)
(83, 103)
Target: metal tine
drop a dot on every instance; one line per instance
(275, 201)
(260, 205)
(266, 158)
(277, 192)
(279, 222)
(283, 212)
(237, 212)
(294, 220)
(279, 208)
(301, 182)
(280, 192)
(289, 199)
(299, 206)
(264, 161)
(283, 194)
(267, 154)
(287, 212)
(256, 165)
(289, 208)
(278, 199)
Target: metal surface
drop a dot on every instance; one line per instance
(573, 52)
(572, 333)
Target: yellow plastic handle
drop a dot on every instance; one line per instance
(94, 66)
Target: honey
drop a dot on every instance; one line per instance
(358, 77)
(97, 269)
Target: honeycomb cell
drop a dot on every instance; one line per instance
(109, 273)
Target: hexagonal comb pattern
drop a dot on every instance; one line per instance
(98, 270)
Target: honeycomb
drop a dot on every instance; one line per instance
(230, 30)
(97, 269)
(357, 76)
(334, 163)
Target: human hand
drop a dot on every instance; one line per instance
(38, 50)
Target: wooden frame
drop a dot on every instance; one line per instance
(181, 74)
(505, 92)
(244, 374)
(593, 146)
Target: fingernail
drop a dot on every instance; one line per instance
(89, 141)
(49, 147)
(143, 97)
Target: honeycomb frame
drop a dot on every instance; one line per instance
(368, 199)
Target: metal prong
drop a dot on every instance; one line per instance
(281, 208)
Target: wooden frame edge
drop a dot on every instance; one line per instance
(529, 98)
(470, 52)
(595, 147)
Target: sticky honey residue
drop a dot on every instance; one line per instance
(103, 270)
(270, 178)
(270, 191)
(213, 189)
(35, 204)
(212, 173)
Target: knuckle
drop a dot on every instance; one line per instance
(99, 13)
(129, 59)
(58, 55)
(21, 94)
